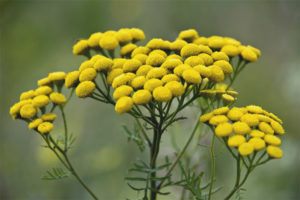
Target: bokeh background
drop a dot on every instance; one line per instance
(37, 37)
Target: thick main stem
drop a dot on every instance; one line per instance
(153, 158)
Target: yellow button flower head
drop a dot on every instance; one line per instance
(85, 88)
(127, 49)
(157, 43)
(201, 40)
(27, 95)
(192, 76)
(241, 128)
(236, 140)
(44, 81)
(257, 134)
(219, 119)
(131, 65)
(257, 143)
(274, 152)
(109, 42)
(225, 65)
(40, 101)
(118, 63)
(231, 41)
(140, 50)
(255, 50)
(194, 60)
(141, 97)
(157, 72)
(94, 39)
(171, 63)
(95, 58)
(249, 55)
(162, 94)
(176, 88)
(34, 124)
(123, 36)
(203, 71)
(170, 77)
(224, 129)
(57, 76)
(266, 128)
(138, 82)
(155, 59)
(205, 49)
(28, 111)
(277, 127)
(122, 91)
(181, 68)
(219, 56)
(221, 111)
(141, 57)
(217, 74)
(263, 118)
(123, 105)
(72, 79)
(80, 47)
(206, 117)
(103, 64)
(15, 109)
(190, 50)
(273, 116)
(250, 119)
(189, 34)
(88, 74)
(43, 90)
(159, 51)
(137, 34)
(86, 64)
(254, 109)
(143, 70)
(49, 117)
(272, 140)
(177, 45)
(120, 80)
(45, 127)
(58, 98)
(152, 84)
(113, 74)
(207, 59)
(174, 56)
(246, 149)
(228, 99)
(230, 50)
(216, 42)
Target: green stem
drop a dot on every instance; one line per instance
(153, 158)
(143, 132)
(65, 127)
(212, 170)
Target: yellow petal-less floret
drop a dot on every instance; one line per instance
(141, 97)
(118, 63)
(203, 70)
(28, 111)
(45, 127)
(80, 47)
(225, 65)
(263, 118)
(217, 74)
(120, 80)
(40, 101)
(155, 59)
(194, 60)
(246, 149)
(258, 143)
(162, 94)
(123, 90)
(230, 50)
(249, 55)
(190, 50)
(206, 117)
(141, 57)
(219, 56)
(159, 51)
(35, 123)
(138, 82)
(277, 127)
(231, 41)
(250, 119)
(109, 42)
(181, 68)
(140, 50)
(219, 119)
(85, 88)
(131, 65)
(103, 64)
(43, 90)
(157, 72)
(274, 152)
(207, 59)
(257, 134)
(170, 77)
(189, 34)
(94, 39)
(201, 40)
(143, 70)
(58, 98)
(266, 128)
(205, 49)
(241, 128)
(216, 42)
(255, 50)
(57, 76)
(272, 140)
(123, 105)
(123, 36)
(236, 140)
(228, 99)
(86, 64)
(175, 56)
(221, 111)
(157, 43)
(72, 79)
(44, 81)
(137, 34)
(176, 88)
(177, 45)
(27, 95)
(152, 84)
(95, 58)
(113, 74)
(224, 129)
(254, 109)
(171, 63)
(88, 74)
(127, 49)
(49, 117)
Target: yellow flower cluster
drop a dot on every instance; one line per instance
(33, 103)
(248, 129)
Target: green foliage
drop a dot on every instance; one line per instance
(135, 136)
(55, 174)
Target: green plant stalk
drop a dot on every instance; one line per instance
(212, 170)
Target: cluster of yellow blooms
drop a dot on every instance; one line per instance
(248, 128)
(160, 70)
(32, 106)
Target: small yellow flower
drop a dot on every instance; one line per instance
(137, 34)
(118, 63)
(221, 111)
(15, 109)
(155, 59)
(246, 149)
(175, 56)
(152, 84)
(201, 40)
(138, 82)
(162, 94)
(40, 101)
(27, 95)
(207, 59)
(109, 42)
(206, 117)
(94, 39)
(273, 116)
(170, 77)
(35, 123)
(177, 45)
(141, 97)
(190, 50)
(249, 55)
(216, 42)
(277, 127)
(140, 50)
(189, 34)
(254, 109)
(95, 58)
(176, 88)
(217, 74)
(157, 72)
(171, 63)
(57, 76)
(181, 68)
(123, 105)
(256, 51)
(49, 117)
(58, 98)
(141, 57)
(127, 49)
(194, 60)
(123, 90)
(157, 43)
(219, 119)
(230, 50)
(258, 143)
(241, 128)
(44, 81)
(88, 74)
(159, 51)
(43, 90)
(236, 140)
(120, 80)
(219, 56)
(86, 64)
(231, 41)
(85, 88)
(113, 74)
(72, 79)
(257, 133)
(28, 111)
(103, 64)
(250, 119)
(131, 65)
(274, 152)
(266, 128)
(143, 70)
(272, 140)
(224, 129)
(228, 99)
(80, 47)
(205, 49)
(225, 65)
(263, 118)
(45, 127)
(204, 71)
(123, 36)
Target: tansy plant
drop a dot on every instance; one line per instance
(154, 83)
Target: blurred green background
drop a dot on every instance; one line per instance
(37, 38)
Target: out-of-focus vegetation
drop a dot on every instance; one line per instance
(37, 38)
